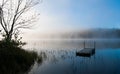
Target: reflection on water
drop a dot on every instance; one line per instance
(62, 59)
(72, 44)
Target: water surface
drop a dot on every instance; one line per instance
(62, 59)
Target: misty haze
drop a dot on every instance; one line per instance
(60, 37)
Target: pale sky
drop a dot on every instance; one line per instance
(80, 13)
(60, 15)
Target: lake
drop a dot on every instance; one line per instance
(61, 56)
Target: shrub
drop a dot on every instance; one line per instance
(14, 59)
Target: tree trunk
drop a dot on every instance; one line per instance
(8, 37)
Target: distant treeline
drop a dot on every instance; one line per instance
(97, 33)
(89, 33)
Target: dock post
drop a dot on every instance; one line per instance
(84, 44)
(94, 44)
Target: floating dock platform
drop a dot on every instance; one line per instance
(86, 52)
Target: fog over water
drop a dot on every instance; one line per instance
(62, 59)
(75, 34)
(59, 52)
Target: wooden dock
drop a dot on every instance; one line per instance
(86, 52)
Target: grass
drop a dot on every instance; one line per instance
(15, 60)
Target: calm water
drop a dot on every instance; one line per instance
(62, 59)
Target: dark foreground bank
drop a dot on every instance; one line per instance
(15, 60)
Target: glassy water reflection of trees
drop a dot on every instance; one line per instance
(65, 61)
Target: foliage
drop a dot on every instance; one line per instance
(15, 60)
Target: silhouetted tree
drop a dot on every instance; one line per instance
(12, 16)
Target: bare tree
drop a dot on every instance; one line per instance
(12, 16)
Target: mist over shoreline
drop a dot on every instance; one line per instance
(78, 34)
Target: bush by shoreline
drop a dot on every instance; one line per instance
(15, 60)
